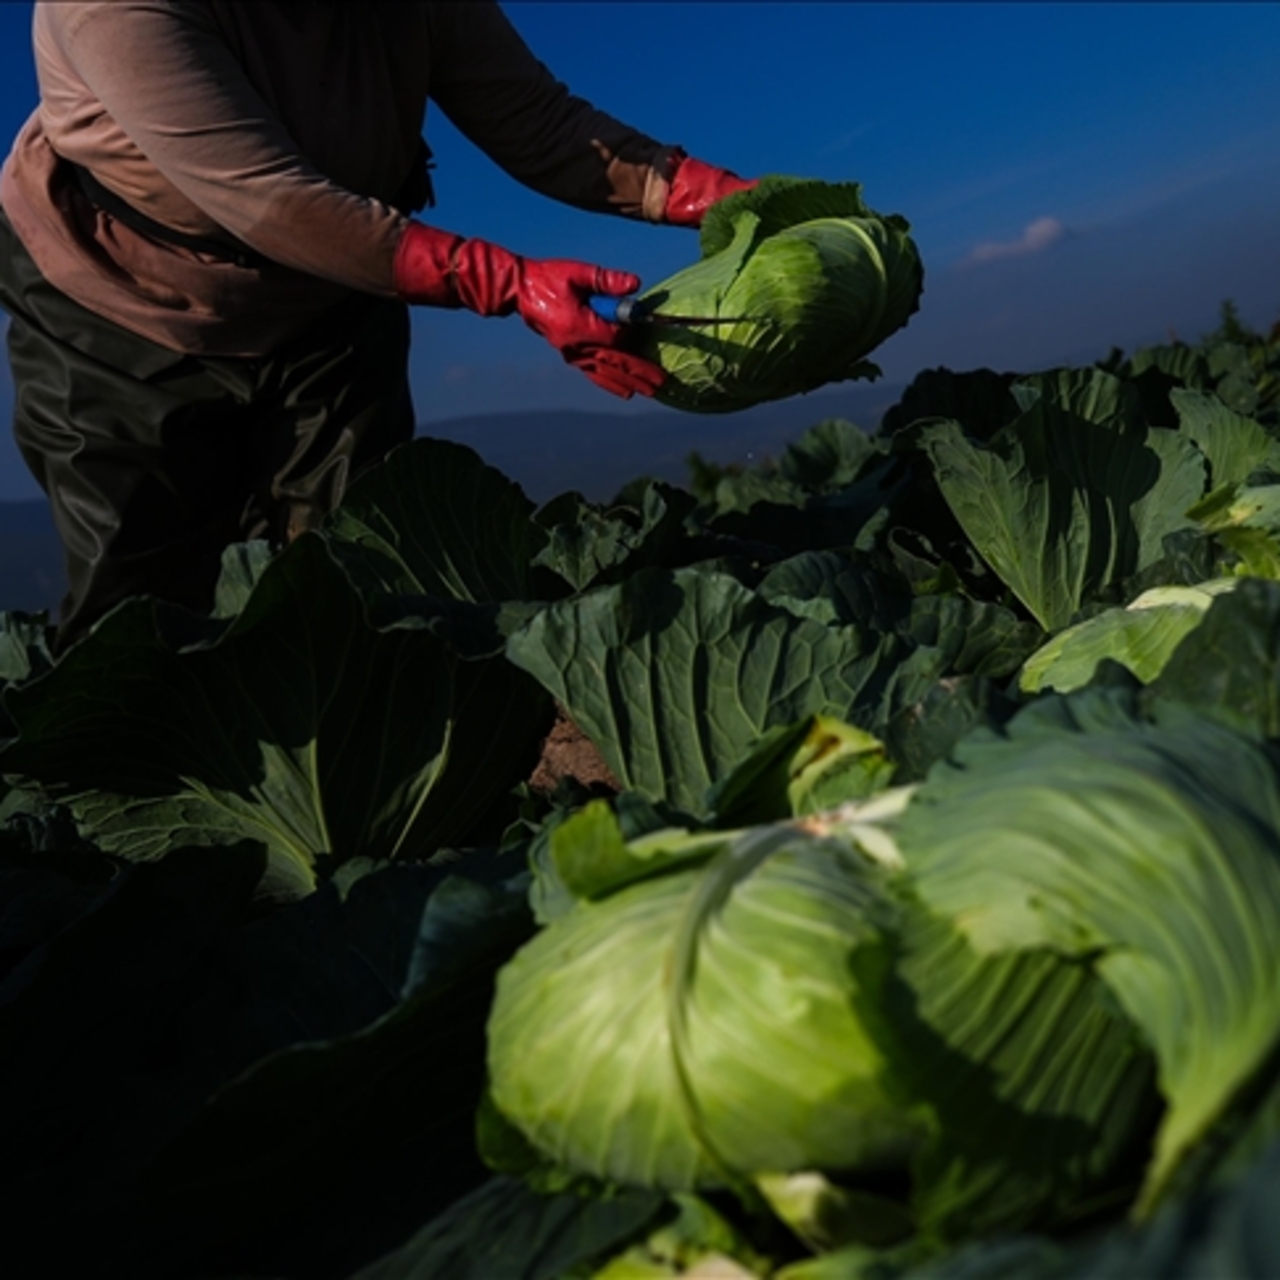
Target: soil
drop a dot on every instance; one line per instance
(567, 752)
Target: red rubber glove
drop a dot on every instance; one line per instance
(695, 187)
(439, 269)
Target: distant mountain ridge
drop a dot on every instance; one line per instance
(551, 451)
(546, 451)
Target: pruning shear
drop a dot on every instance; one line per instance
(632, 310)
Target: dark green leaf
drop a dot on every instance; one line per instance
(1229, 666)
(925, 731)
(587, 544)
(836, 589)
(1062, 506)
(674, 675)
(299, 725)
(243, 563)
(1089, 394)
(972, 636)
(1041, 1091)
(1046, 836)
(828, 456)
(505, 1231)
(979, 400)
(1227, 1234)
(800, 769)
(1235, 446)
(24, 647)
(434, 520)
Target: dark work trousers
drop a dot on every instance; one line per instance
(155, 461)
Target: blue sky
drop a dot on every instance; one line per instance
(1078, 175)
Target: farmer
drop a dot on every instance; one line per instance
(207, 245)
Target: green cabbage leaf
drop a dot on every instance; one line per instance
(1142, 637)
(1073, 496)
(1047, 835)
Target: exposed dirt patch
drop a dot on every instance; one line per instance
(567, 752)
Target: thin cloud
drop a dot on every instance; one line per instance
(981, 187)
(1036, 237)
(1250, 155)
(845, 140)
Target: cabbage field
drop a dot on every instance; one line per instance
(931, 930)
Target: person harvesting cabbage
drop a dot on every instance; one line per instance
(207, 246)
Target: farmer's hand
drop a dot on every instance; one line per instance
(695, 187)
(439, 269)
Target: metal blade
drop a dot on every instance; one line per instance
(631, 310)
(658, 317)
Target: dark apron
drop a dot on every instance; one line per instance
(155, 461)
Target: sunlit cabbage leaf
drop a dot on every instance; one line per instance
(809, 279)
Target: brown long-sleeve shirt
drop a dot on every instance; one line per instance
(288, 127)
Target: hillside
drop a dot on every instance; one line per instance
(551, 451)
(547, 452)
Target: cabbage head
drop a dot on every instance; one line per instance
(1050, 975)
(718, 1008)
(819, 279)
(702, 1022)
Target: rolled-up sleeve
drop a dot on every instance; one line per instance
(496, 92)
(197, 119)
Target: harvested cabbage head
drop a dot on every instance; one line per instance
(818, 279)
